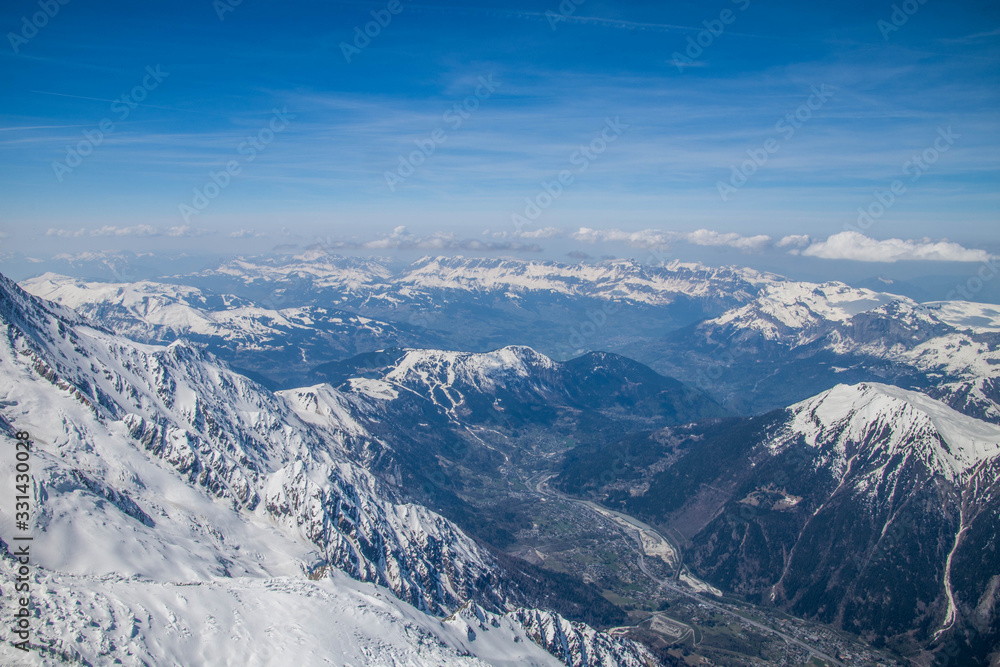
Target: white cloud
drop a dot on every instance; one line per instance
(137, 230)
(707, 237)
(655, 238)
(543, 233)
(65, 233)
(243, 234)
(647, 238)
(401, 238)
(795, 241)
(858, 247)
(3, 235)
(186, 231)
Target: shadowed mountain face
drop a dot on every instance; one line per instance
(453, 421)
(518, 385)
(853, 508)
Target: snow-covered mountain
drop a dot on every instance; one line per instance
(625, 280)
(481, 304)
(867, 506)
(270, 340)
(876, 420)
(277, 318)
(621, 279)
(755, 341)
(979, 317)
(797, 338)
(169, 490)
(465, 386)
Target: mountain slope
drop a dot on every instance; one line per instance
(461, 427)
(854, 507)
(811, 337)
(520, 384)
(156, 465)
(273, 340)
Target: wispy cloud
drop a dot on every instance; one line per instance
(402, 239)
(140, 231)
(655, 238)
(66, 233)
(136, 230)
(858, 247)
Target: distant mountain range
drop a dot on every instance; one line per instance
(753, 341)
(795, 339)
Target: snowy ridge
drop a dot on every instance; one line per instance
(482, 371)
(622, 279)
(135, 447)
(157, 312)
(618, 280)
(797, 309)
(577, 644)
(950, 349)
(255, 622)
(317, 266)
(893, 421)
(243, 444)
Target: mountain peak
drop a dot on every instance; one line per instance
(898, 421)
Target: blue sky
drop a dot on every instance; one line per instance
(550, 79)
